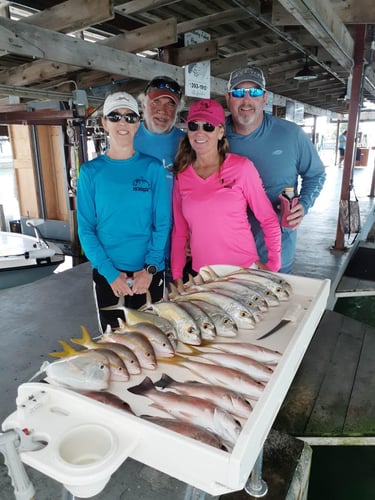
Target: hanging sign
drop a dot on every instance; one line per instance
(197, 76)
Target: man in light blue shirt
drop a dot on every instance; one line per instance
(157, 135)
(282, 153)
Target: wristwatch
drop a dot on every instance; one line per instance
(151, 269)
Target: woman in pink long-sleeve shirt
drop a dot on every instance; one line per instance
(212, 191)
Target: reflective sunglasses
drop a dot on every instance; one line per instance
(194, 126)
(162, 84)
(241, 92)
(115, 117)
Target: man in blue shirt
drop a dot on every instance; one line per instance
(282, 153)
(157, 135)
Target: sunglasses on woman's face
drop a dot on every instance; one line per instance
(115, 117)
(194, 126)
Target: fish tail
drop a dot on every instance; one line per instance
(85, 340)
(65, 353)
(164, 381)
(144, 387)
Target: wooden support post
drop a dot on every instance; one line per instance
(354, 110)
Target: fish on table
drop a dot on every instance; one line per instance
(229, 400)
(253, 369)
(202, 319)
(189, 430)
(227, 377)
(240, 314)
(192, 410)
(89, 371)
(185, 326)
(109, 399)
(137, 342)
(225, 326)
(118, 371)
(281, 290)
(127, 355)
(160, 342)
(252, 298)
(133, 316)
(253, 351)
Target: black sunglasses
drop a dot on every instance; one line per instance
(207, 127)
(115, 117)
(162, 83)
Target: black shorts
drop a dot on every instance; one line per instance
(105, 297)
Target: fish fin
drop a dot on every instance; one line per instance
(208, 274)
(164, 381)
(85, 340)
(190, 282)
(122, 326)
(198, 280)
(148, 298)
(148, 305)
(144, 387)
(174, 292)
(66, 352)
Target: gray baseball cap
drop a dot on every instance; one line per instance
(247, 74)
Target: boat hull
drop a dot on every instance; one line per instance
(18, 266)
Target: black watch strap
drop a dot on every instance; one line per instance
(151, 269)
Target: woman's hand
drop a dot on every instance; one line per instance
(261, 265)
(142, 281)
(120, 286)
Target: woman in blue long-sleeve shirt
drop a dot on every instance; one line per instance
(124, 214)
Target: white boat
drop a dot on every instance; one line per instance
(24, 258)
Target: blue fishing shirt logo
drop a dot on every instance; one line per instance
(141, 184)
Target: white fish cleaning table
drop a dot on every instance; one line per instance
(107, 436)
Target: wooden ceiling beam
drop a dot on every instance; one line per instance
(72, 15)
(323, 23)
(206, 22)
(155, 35)
(23, 39)
(135, 6)
(349, 11)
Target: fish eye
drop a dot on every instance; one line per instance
(102, 367)
(190, 329)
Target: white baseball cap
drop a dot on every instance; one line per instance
(120, 100)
